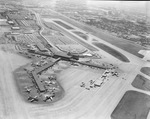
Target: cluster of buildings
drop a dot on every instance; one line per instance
(24, 29)
(101, 80)
(124, 29)
(19, 19)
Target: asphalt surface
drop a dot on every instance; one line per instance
(78, 103)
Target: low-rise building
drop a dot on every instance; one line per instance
(15, 28)
(10, 22)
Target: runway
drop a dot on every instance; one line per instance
(77, 103)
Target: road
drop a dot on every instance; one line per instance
(78, 103)
(38, 18)
(10, 101)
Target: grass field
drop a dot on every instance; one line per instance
(111, 51)
(146, 70)
(141, 82)
(133, 105)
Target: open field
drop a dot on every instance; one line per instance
(146, 70)
(141, 82)
(111, 51)
(133, 105)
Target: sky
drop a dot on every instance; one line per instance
(138, 6)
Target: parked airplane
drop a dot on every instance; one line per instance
(33, 99)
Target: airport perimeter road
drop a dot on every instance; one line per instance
(11, 106)
(78, 102)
